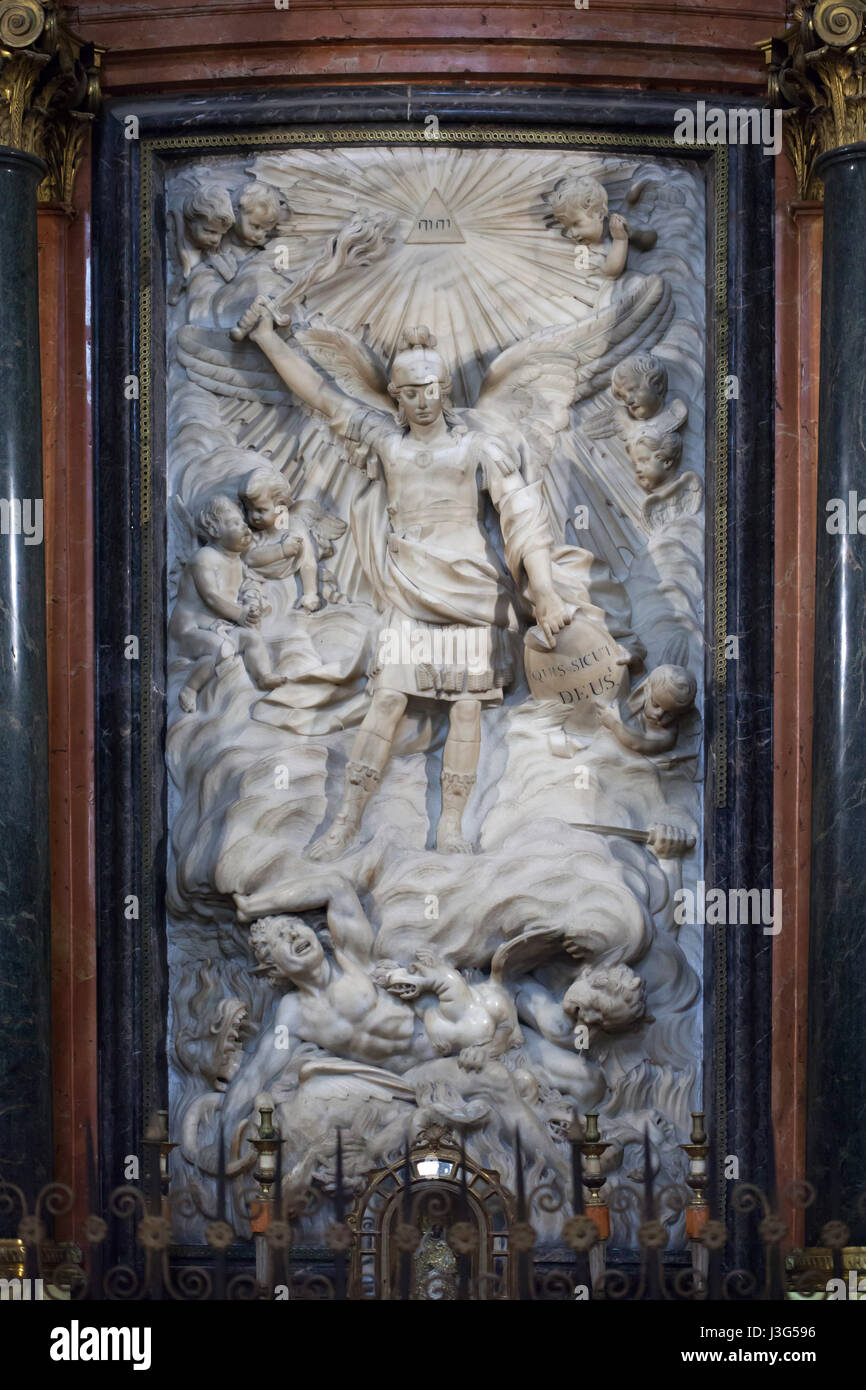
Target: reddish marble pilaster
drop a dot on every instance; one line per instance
(798, 310)
(64, 322)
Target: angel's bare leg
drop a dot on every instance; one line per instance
(370, 753)
(258, 662)
(459, 767)
(210, 648)
(198, 676)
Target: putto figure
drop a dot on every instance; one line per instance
(655, 455)
(286, 532)
(580, 207)
(218, 611)
(639, 386)
(206, 217)
(256, 216)
(422, 545)
(655, 708)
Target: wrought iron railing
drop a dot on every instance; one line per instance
(432, 1226)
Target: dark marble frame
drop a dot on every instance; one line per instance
(130, 579)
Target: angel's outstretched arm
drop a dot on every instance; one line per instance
(299, 374)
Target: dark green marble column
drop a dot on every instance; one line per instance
(25, 973)
(836, 1106)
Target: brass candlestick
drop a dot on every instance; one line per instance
(697, 1212)
(592, 1147)
(266, 1147)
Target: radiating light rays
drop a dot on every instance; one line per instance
(513, 274)
(514, 270)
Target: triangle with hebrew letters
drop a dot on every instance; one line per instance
(434, 224)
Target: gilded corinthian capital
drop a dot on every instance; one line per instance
(817, 69)
(49, 90)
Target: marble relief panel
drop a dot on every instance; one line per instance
(436, 444)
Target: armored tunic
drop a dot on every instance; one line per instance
(447, 610)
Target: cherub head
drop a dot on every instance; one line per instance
(655, 456)
(640, 383)
(258, 212)
(288, 951)
(420, 382)
(264, 490)
(579, 205)
(669, 693)
(609, 997)
(222, 521)
(207, 215)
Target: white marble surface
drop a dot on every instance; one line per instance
(399, 984)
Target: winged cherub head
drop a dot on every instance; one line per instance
(655, 455)
(669, 692)
(579, 204)
(208, 215)
(257, 214)
(420, 382)
(264, 491)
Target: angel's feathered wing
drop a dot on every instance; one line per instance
(532, 385)
(325, 528)
(351, 364)
(338, 1078)
(528, 393)
(683, 498)
(212, 360)
(183, 541)
(523, 953)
